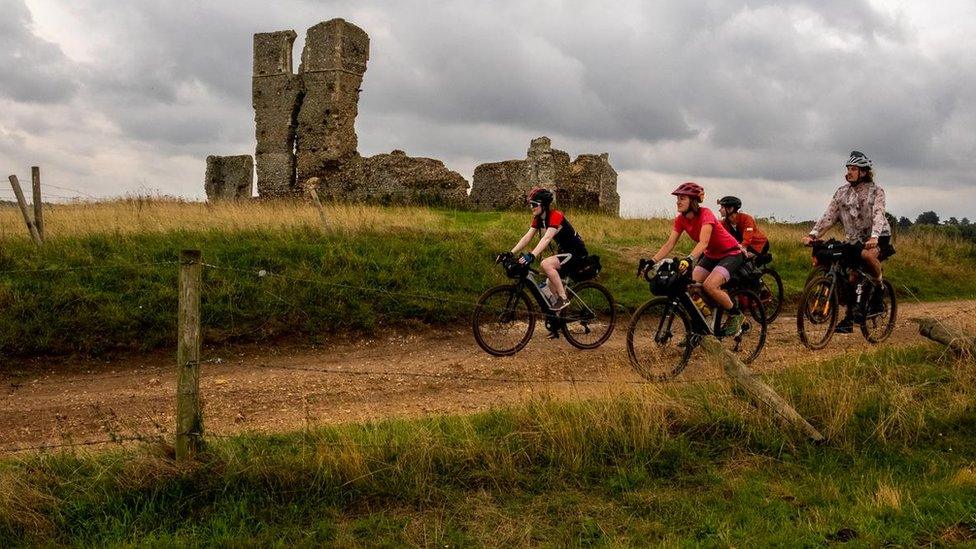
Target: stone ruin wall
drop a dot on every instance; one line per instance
(305, 131)
(587, 183)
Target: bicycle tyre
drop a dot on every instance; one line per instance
(776, 292)
(484, 311)
(753, 308)
(572, 310)
(643, 365)
(810, 311)
(868, 334)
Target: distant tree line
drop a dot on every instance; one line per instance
(927, 218)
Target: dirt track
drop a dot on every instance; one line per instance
(270, 387)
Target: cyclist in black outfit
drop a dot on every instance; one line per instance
(551, 225)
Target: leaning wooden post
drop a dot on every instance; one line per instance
(38, 201)
(189, 419)
(312, 190)
(22, 202)
(756, 389)
(961, 344)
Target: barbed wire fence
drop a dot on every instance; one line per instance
(162, 434)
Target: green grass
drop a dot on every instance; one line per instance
(679, 465)
(363, 274)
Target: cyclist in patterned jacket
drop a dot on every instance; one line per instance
(551, 225)
(859, 206)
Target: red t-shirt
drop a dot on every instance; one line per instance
(720, 244)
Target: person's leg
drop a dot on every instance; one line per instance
(872, 262)
(550, 266)
(713, 285)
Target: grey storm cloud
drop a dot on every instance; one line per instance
(767, 90)
(34, 70)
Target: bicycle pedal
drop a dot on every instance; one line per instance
(553, 335)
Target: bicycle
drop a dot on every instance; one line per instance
(505, 317)
(874, 307)
(664, 331)
(768, 286)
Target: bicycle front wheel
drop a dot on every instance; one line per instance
(771, 293)
(880, 322)
(590, 318)
(503, 320)
(659, 340)
(816, 318)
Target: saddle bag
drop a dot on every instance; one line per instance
(588, 268)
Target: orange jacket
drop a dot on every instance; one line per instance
(743, 227)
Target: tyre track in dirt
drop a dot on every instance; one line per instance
(279, 387)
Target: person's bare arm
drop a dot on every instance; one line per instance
(667, 247)
(524, 241)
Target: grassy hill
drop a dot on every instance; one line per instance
(106, 277)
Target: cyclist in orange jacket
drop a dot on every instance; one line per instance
(743, 227)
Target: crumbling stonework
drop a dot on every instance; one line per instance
(229, 177)
(587, 183)
(394, 178)
(276, 95)
(333, 64)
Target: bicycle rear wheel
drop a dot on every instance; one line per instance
(878, 326)
(771, 293)
(749, 341)
(816, 318)
(659, 340)
(591, 316)
(503, 320)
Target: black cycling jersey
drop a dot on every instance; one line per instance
(568, 241)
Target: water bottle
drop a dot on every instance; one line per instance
(702, 306)
(546, 292)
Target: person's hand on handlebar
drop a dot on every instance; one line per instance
(527, 258)
(643, 266)
(808, 240)
(686, 263)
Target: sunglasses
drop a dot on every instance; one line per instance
(534, 204)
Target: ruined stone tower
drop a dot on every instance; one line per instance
(276, 95)
(305, 122)
(333, 63)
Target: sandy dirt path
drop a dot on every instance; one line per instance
(280, 386)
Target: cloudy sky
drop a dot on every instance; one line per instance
(762, 99)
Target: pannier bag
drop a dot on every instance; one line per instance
(588, 268)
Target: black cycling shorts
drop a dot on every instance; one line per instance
(729, 263)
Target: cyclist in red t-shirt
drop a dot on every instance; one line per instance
(551, 225)
(717, 253)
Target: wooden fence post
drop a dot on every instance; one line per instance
(189, 419)
(758, 391)
(22, 202)
(312, 190)
(38, 201)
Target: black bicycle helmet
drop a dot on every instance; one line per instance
(730, 202)
(540, 195)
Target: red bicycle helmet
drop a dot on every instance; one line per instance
(691, 189)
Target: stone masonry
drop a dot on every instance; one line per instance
(305, 130)
(333, 64)
(276, 95)
(229, 177)
(587, 183)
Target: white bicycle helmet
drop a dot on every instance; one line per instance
(859, 159)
